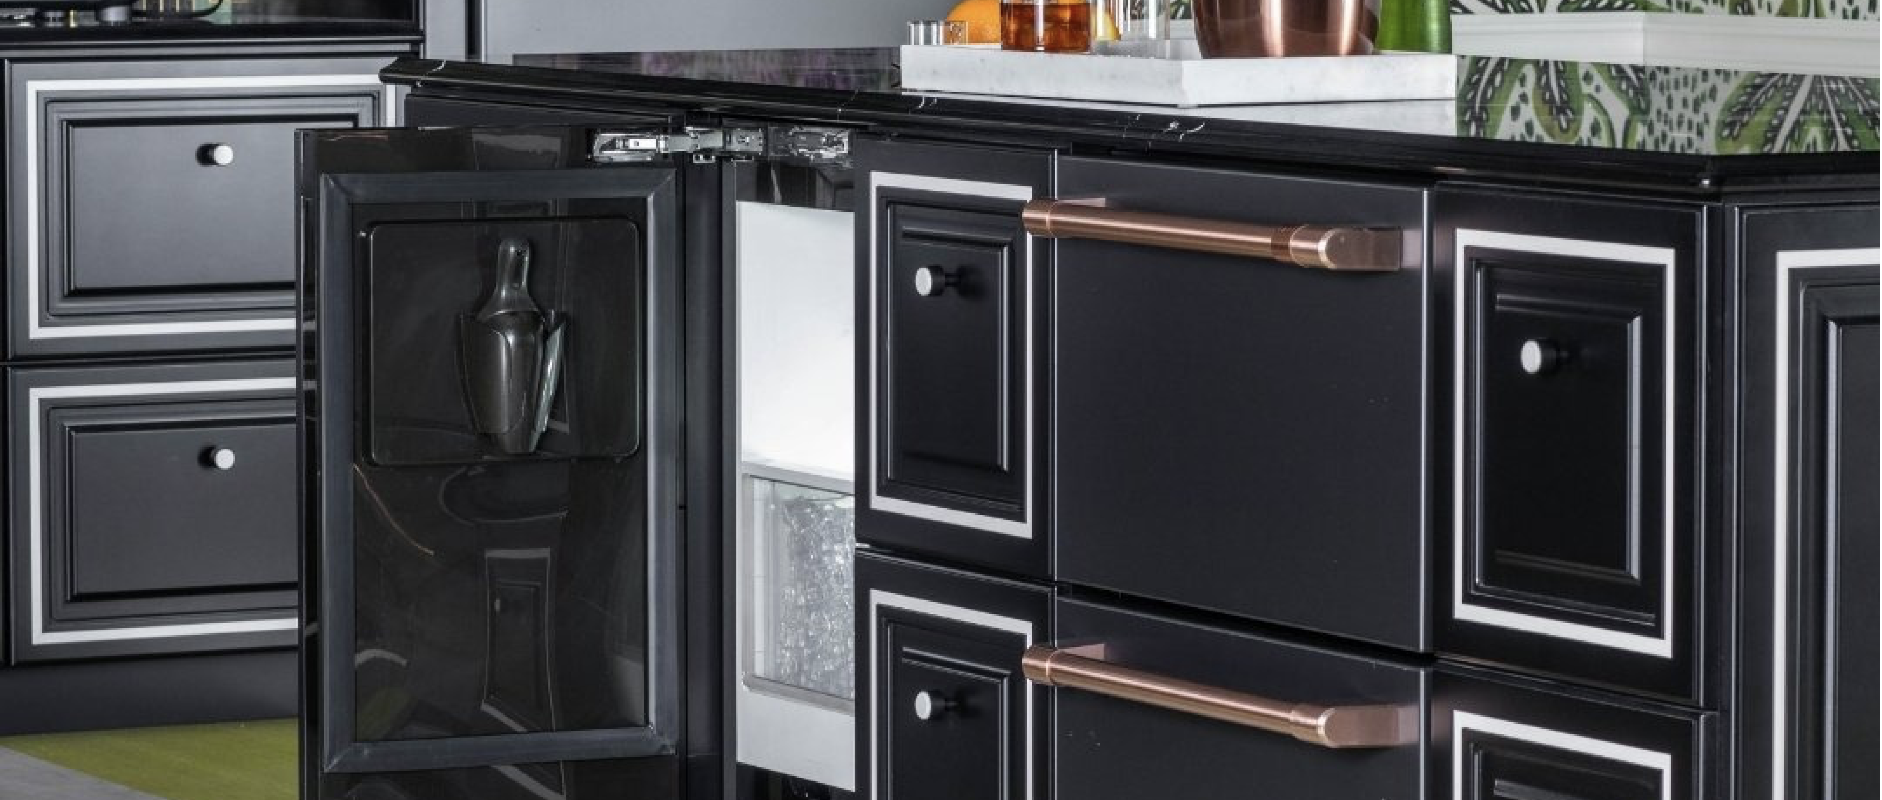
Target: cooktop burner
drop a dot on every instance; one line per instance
(87, 13)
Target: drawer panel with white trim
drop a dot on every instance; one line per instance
(151, 202)
(1497, 741)
(1573, 542)
(951, 453)
(943, 710)
(1148, 705)
(152, 509)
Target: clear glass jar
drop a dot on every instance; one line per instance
(1047, 26)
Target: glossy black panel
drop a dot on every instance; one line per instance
(1565, 486)
(1850, 668)
(503, 598)
(1112, 749)
(1499, 768)
(1213, 410)
(429, 281)
(102, 694)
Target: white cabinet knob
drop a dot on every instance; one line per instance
(927, 706)
(221, 458)
(1539, 356)
(932, 281)
(216, 154)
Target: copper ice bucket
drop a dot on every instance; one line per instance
(1244, 28)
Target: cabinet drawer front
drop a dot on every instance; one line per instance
(198, 250)
(951, 458)
(1217, 410)
(1492, 741)
(1114, 749)
(154, 509)
(944, 710)
(1570, 531)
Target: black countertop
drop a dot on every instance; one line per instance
(1685, 130)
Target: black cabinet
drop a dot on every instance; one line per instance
(1569, 337)
(1809, 421)
(1493, 739)
(152, 509)
(950, 457)
(943, 710)
(1239, 433)
(148, 204)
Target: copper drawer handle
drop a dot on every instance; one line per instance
(1326, 726)
(1343, 248)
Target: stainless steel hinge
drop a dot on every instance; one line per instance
(820, 146)
(703, 144)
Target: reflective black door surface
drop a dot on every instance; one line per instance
(493, 419)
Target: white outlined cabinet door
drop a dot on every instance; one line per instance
(152, 509)
(1497, 741)
(1568, 347)
(149, 204)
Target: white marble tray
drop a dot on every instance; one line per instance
(1184, 81)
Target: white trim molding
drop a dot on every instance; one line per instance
(878, 600)
(31, 130)
(1783, 466)
(1022, 528)
(1656, 39)
(35, 512)
(1462, 721)
(1660, 646)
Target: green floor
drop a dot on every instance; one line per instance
(246, 760)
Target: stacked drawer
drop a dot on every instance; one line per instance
(151, 250)
(1349, 490)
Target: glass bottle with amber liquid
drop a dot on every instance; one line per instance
(1047, 26)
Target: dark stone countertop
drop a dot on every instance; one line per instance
(1687, 131)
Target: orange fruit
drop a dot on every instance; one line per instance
(982, 18)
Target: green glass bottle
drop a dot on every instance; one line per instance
(1422, 26)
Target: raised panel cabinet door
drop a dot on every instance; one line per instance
(151, 202)
(153, 509)
(1492, 740)
(1807, 679)
(1568, 461)
(943, 710)
(951, 380)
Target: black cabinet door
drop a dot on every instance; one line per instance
(152, 509)
(1568, 456)
(1808, 680)
(943, 710)
(495, 449)
(951, 455)
(1498, 740)
(1239, 433)
(149, 200)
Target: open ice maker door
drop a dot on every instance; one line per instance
(491, 357)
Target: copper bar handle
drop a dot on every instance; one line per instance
(1333, 247)
(1326, 726)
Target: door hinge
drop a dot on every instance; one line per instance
(797, 142)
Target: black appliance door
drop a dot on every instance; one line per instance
(491, 357)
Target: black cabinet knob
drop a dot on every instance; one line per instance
(215, 154)
(932, 281)
(1540, 356)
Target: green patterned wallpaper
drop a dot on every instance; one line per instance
(1669, 109)
(1826, 9)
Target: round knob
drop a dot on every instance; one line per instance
(932, 281)
(1540, 356)
(221, 458)
(928, 706)
(215, 154)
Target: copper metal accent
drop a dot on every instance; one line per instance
(1241, 28)
(1319, 246)
(1326, 726)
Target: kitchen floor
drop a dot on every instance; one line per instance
(247, 760)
